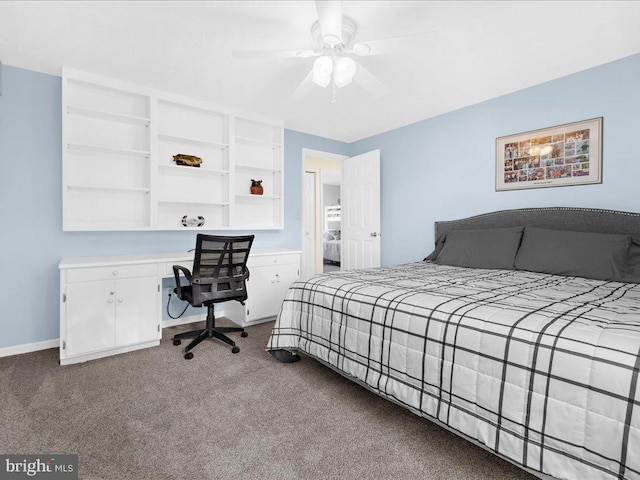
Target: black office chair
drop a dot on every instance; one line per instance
(219, 275)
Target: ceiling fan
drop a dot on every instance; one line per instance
(335, 65)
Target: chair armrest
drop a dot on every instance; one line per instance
(176, 273)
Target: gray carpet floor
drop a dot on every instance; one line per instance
(150, 414)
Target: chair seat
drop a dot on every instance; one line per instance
(187, 293)
(187, 296)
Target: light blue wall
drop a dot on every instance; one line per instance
(31, 238)
(443, 168)
(440, 168)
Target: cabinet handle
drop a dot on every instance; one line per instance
(115, 272)
(119, 300)
(110, 300)
(277, 277)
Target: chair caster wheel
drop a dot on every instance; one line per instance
(188, 356)
(177, 341)
(244, 334)
(235, 349)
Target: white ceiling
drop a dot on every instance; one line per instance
(482, 50)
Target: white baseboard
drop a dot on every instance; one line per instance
(29, 347)
(44, 345)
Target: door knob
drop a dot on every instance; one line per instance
(374, 234)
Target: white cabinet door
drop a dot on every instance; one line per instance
(136, 310)
(90, 317)
(267, 288)
(261, 302)
(285, 276)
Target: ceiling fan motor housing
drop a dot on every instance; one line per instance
(349, 28)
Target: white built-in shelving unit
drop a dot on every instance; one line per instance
(118, 170)
(258, 156)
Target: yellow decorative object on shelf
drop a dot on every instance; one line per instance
(187, 160)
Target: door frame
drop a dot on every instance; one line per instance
(308, 152)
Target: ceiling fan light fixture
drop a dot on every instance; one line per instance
(322, 70)
(345, 70)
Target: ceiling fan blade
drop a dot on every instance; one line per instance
(370, 82)
(253, 54)
(302, 90)
(330, 18)
(394, 44)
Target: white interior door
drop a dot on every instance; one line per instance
(309, 224)
(361, 211)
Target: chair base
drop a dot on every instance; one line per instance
(211, 331)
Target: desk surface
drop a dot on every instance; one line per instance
(84, 262)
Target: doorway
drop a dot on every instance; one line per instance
(321, 211)
(332, 220)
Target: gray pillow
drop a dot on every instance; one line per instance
(488, 248)
(601, 256)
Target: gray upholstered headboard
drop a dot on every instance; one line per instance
(558, 218)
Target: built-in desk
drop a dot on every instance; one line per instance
(111, 305)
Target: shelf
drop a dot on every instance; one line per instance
(180, 105)
(254, 227)
(102, 187)
(260, 169)
(101, 226)
(221, 146)
(88, 86)
(98, 148)
(193, 170)
(187, 202)
(248, 195)
(258, 142)
(104, 115)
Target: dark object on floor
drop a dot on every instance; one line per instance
(284, 356)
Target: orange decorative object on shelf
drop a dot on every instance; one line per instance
(256, 187)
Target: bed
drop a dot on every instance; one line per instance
(540, 368)
(331, 246)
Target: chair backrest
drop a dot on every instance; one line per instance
(220, 268)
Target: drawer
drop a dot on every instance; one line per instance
(111, 273)
(266, 260)
(168, 270)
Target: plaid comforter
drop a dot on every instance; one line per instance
(542, 369)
